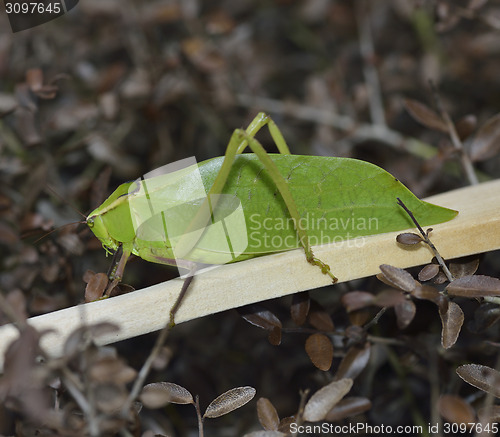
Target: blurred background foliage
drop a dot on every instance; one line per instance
(116, 88)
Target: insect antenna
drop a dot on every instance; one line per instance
(51, 190)
(55, 193)
(28, 233)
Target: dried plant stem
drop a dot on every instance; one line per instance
(87, 408)
(199, 416)
(427, 240)
(455, 139)
(369, 70)
(183, 292)
(375, 320)
(300, 412)
(146, 367)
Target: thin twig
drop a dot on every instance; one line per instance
(199, 416)
(72, 385)
(375, 320)
(299, 417)
(455, 139)
(369, 70)
(146, 367)
(427, 241)
(179, 299)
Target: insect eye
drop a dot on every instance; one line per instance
(90, 222)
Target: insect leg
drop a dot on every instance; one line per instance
(258, 123)
(240, 137)
(118, 270)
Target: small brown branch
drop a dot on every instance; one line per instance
(427, 240)
(370, 72)
(455, 139)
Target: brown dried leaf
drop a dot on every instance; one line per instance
(359, 318)
(300, 307)
(428, 272)
(466, 126)
(260, 317)
(425, 115)
(286, 424)
(229, 401)
(319, 318)
(267, 414)
(319, 348)
(109, 397)
(455, 410)
(464, 266)
(274, 336)
(389, 298)
(440, 278)
(399, 278)
(108, 368)
(474, 286)
(34, 79)
(409, 238)
(354, 362)
(159, 394)
(96, 286)
(482, 377)
(325, 399)
(405, 312)
(355, 300)
(426, 292)
(88, 275)
(348, 407)
(486, 143)
(452, 319)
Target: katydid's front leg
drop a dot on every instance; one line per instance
(116, 274)
(239, 140)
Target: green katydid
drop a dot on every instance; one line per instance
(288, 202)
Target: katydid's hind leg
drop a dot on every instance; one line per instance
(258, 123)
(241, 139)
(284, 190)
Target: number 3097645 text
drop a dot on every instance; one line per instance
(33, 8)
